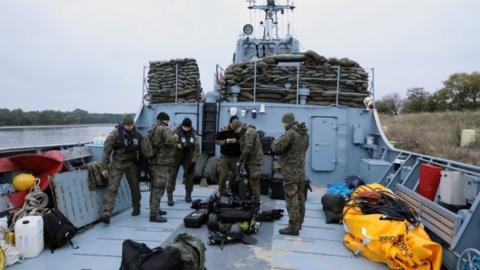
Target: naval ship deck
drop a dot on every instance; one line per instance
(318, 247)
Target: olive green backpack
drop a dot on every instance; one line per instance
(192, 251)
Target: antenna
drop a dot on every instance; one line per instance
(271, 10)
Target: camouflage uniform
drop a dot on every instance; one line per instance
(292, 146)
(228, 158)
(123, 161)
(187, 160)
(252, 157)
(163, 142)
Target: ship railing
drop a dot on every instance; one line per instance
(220, 72)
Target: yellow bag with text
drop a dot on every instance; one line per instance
(398, 244)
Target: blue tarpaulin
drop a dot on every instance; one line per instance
(339, 189)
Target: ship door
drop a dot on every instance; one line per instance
(324, 144)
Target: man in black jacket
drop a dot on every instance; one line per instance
(230, 152)
(186, 154)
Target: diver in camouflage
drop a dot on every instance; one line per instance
(229, 142)
(186, 154)
(292, 146)
(127, 145)
(251, 155)
(163, 142)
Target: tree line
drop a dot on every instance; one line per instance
(460, 92)
(19, 117)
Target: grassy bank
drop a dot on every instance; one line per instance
(436, 134)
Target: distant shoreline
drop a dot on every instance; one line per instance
(55, 126)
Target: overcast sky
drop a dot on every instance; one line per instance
(65, 54)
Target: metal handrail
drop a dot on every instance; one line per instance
(338, 85)
(338, 80)
(298, 81)
(176, 83)
(255, 80)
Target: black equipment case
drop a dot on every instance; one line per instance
(196, 219)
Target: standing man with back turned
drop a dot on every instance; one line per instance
(163, 142)
(292, 146)
(229, 142)
(127, 145)
(251, 155)
(186, 153)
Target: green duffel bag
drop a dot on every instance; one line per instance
(192, 251)
(210, 171)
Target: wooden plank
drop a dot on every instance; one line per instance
(429, 204)
(422, 209)
(440, 226)
(439, 221)
(438, 232)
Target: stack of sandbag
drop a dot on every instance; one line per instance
(164, 78)
(317, 73)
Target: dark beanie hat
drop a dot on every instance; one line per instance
(233, 118)
(163, 116)
(187, 122)
(127, 120)
(288, 118)
(236, 124)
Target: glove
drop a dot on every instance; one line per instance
(105, 173)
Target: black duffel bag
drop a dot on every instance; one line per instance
(138, 256)
(232, 215)
(333, 207)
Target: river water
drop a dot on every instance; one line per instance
(50, 135)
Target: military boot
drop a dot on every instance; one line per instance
(203, 182)
(288, 231)
(135, 212)
(188, 197)
(170, 200)
(158, 219)
(105, 219)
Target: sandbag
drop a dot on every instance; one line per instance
(317, 73)
(174, 79)
(398, 244)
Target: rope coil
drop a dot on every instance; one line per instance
(35, 204)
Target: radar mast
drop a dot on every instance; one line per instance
(270, 24)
